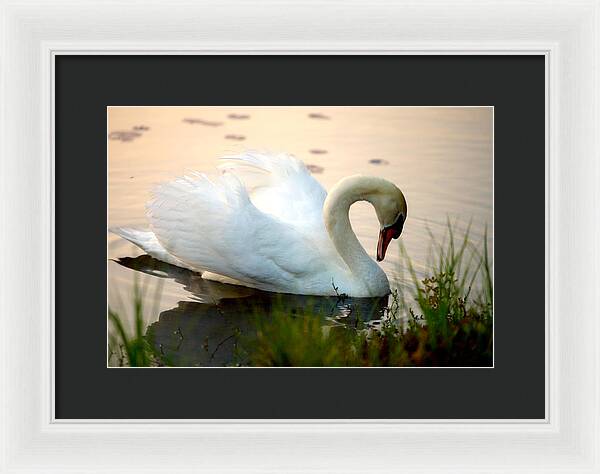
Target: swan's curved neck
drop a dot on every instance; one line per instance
(337, 221)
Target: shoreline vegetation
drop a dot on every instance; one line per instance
(444, 320)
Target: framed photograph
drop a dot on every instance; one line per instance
(234, 243)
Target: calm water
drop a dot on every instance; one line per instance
(441, 158)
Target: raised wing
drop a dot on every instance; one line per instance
(281, 186)
(213, 225)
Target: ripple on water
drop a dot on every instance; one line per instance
(124, 135)
(318, 116)
(232, 136)
(315, 169)
(128, 135)
(379, 161)
(238, 116)
(199, 121)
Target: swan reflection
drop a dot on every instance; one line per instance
(205, 332)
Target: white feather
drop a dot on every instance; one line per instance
(214, 226)
(147, 241)
(259, 224)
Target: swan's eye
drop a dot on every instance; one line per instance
(400, 219)
(396, 227)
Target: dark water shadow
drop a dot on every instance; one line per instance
(206, 332)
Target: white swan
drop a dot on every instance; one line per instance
(284, 234)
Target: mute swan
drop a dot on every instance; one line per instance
(285, 234)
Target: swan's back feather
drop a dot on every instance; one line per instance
(213, 225)
(281, 164)
(147, 241)
(286, 191)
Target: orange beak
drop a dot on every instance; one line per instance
(386, 235)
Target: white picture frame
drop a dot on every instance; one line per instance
(566, 33)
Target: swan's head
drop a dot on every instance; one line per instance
(390, 206)
(386, 198)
